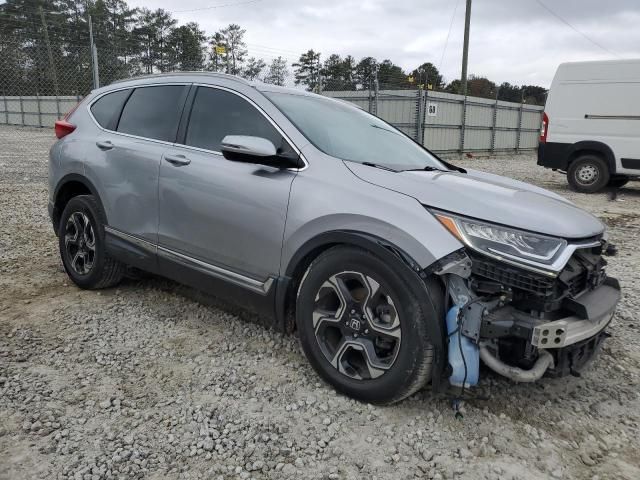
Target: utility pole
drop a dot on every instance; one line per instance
(54, 76)
(376, 86)
(465, 49)
(319, 77)
(94, 56)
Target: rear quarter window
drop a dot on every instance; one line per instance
(153, 112)
(107, 108)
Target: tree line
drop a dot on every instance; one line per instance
(44, 49)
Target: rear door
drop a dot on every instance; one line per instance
(128, 151)
(227, 216)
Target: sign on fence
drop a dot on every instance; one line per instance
(432, 109)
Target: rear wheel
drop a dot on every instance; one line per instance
(588, 174)
(82, 246)
(361, 328)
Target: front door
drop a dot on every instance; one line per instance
(217, 215)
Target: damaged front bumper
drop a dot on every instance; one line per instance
(596, 311)
(523, 332)
(572, 341)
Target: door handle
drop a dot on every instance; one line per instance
(106, 145)
(177, 160)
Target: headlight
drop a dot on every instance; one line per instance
(503, 242)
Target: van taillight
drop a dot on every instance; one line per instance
(64, 127)
(544, 129)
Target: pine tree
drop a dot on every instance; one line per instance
(253, 69)
(278, 72)
(185, 47)
(307, 70)
(232, 39)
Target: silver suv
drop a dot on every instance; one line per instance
(395, 267)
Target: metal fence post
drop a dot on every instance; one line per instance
(39, 110)
(493, 127)
(94, 56)
(6, 108)
(463, 123)
(519, 127)
(21, 110)
(58, 108)
(420, 116)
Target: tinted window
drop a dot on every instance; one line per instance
(153, 112)
(107, 108)
(218, 113)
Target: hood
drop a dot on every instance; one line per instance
(488, 197)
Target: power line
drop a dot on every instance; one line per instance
(576, 30)
(212, 7)
(272, 48)
(446, 42)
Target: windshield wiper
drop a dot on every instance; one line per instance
(382, 167)
(385, 129)
(427, 168)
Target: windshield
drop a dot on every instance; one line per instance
(346, 132)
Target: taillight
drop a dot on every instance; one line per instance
(63, 127)
(544, 128)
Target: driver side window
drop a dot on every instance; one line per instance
(217, 113)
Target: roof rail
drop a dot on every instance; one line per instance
(185, 74)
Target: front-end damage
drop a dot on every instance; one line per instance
(523, 323)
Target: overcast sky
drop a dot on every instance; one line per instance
(511, 40)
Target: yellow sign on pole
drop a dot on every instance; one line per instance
(221, 49)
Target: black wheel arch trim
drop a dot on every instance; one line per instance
(559, 155)
(73, 177)
(594, 146)
(387, 252)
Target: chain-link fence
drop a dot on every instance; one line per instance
(43, 79)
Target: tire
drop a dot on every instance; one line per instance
(588, 174)
(392, 319)
(618, 182)
(82, 245)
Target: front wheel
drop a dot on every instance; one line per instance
(361, 328)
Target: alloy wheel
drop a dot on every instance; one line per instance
(356, 325)
(80, 243)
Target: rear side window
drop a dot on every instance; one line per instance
(153, 112)
(107, 109)
(218, 113)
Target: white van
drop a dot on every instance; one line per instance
(591, 124)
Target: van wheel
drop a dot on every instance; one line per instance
(82, 246)
(588, 174)
(618, 182)
(361, 328)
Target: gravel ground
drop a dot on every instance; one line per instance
(142, 381)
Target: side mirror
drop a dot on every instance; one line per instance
(258, 150)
